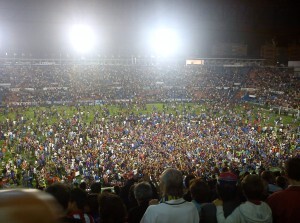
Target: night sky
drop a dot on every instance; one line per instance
(39, 26)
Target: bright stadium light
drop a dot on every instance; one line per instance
(82, 38)
(165, 41)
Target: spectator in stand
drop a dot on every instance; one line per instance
(131, 198)
(269, 179)
(95, 188)
(227, 191)
(200, 193)
(55, 83)
(126, 193)
(92, 207)
(117, 190)
(253, 210)
(172, 208)
(187, 195)
(77, 204)
(143, 194)
(282, 182)
(285, 204)
(83, 186)
(111, 208)
(62, 194)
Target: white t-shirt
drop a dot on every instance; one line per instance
(173, 211)
(247, 213)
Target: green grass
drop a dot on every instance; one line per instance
(67, 112)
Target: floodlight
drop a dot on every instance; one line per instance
(82, 38)
(165, 41)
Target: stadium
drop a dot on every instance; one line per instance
(80, 109)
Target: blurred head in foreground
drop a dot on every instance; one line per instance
(28, 206)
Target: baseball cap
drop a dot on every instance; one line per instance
(228, 177)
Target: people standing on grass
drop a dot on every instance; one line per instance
(111, 149)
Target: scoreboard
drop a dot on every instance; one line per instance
(195, 62)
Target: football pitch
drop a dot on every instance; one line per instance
(54, 114)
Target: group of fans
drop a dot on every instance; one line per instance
(230, 198)
(226, 148)
(50, 84)
(87, 142)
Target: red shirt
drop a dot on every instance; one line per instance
(285, 205)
